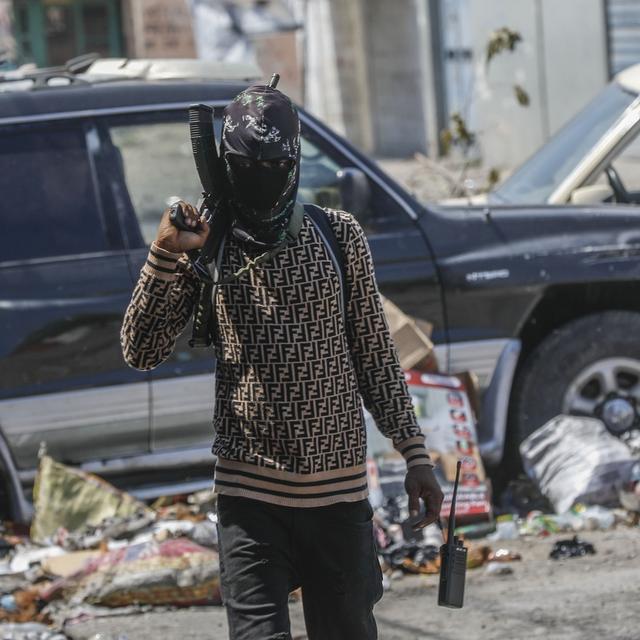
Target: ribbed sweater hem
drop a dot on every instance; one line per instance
(290, 489)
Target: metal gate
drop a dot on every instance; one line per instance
(623, 32)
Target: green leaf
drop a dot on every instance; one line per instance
(503, 39)
(521, 96)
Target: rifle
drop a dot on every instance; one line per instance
(213, 206)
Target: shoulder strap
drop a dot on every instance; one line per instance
(321, 221)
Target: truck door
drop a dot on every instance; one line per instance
(64, 286)
(154, 162)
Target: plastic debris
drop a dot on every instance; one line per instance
(506, 529)
(472, 531)
(8, 602)
(67, 564)
(521, 496)
(28, 631)
(540, 524)
(575, 459)
(23, 605)
(498, 568)
(594, 517)
(25, 557)
(205, 533)
(69, 499)
(174, 572)
(504, 555)
(573, 548)
(629, 493)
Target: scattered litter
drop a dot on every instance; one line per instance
(575, 459)
(8, 603)
(506, 529)
(477, 555)
(66, 565)
(574, 548)
(498, 569)
(504, 555)
(541, 524)
(70, 499)
(25, 557)
(111, 528)
(594, 517)
(174, 572)
(473, 531)
(23, 605)
(28, 631)
(521, 496)
(205, 534)
(629, 493)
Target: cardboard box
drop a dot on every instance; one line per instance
(411, 338)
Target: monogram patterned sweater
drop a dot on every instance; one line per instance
(288, 420)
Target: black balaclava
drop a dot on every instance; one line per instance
(261, 124)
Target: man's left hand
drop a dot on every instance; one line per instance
(420, 482)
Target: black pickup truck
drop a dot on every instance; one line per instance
(536, 291)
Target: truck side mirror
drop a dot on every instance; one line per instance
(355, 193)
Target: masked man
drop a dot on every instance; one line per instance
(290, 437)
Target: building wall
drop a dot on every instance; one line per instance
(561, 63)
(395, 77)
(278, 53)
(322, 90)
(364, 73)
(158, 29)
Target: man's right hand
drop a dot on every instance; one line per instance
(170, 238)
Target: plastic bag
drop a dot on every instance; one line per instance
(575, 459)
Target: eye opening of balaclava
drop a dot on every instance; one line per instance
(260, 150)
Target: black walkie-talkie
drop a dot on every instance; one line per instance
(453, 560)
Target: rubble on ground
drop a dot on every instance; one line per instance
(92, 549)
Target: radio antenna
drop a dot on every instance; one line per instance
(275, 78)
(452, 513)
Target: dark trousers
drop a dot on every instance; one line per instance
(267, 551)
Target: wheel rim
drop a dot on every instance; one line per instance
(608, 389)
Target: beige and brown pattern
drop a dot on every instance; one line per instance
(289, 425)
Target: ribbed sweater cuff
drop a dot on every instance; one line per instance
(414, 451)
(161, 263)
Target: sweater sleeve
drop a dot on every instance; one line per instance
(381, 380)
(160, 307)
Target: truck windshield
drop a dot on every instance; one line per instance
(537, 178)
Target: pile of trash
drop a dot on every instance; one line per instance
(446, 412)
(91, 547)
(580, 478)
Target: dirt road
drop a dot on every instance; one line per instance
(587, 598)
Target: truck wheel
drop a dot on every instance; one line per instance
(588, 367)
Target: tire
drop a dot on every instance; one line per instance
(547, 377)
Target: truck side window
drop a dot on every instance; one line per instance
(158, 165)
(320, 183)
(48, 193)
(156, 158)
